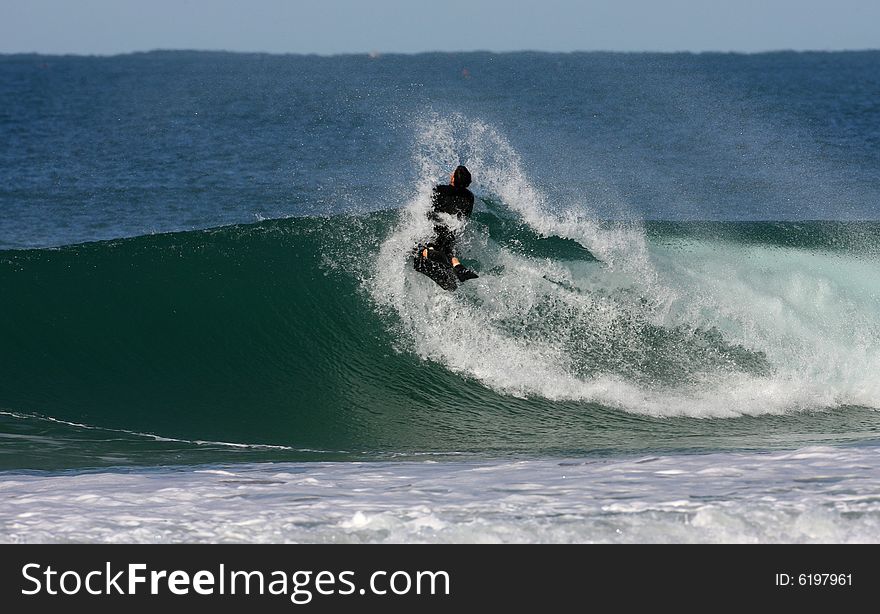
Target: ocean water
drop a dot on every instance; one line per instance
(210, 329)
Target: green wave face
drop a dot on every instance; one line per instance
(237, 333)
(253, 334)
(305, 333)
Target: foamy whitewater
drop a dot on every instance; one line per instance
(814, 318)
(817, 494)
(211, 329)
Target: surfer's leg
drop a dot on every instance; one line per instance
(462, 272)
(443, 253)
(448, 246)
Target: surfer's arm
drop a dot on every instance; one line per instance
(468, 209)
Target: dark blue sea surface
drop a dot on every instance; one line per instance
(104, 147)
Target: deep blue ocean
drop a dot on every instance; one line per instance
(208, 307)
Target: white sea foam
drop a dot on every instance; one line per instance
(574, 330)
(810, 495)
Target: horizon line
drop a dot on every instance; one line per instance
(376, 54)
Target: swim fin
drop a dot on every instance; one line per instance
(463, 273)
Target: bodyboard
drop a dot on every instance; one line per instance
(442, 274)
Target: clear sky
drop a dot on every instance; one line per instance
(357, 26)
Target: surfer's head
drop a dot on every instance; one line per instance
(461, 177)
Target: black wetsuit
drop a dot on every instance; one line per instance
(454, 201)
